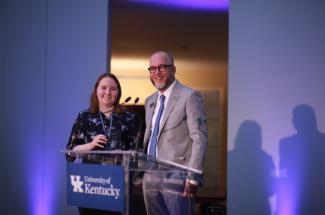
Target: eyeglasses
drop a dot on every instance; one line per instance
(161, 68)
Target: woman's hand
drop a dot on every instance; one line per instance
(99, 141)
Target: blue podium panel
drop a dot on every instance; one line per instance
(96, 186)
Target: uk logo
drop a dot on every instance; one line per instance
(76, 183)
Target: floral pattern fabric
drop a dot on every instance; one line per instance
(120, 128)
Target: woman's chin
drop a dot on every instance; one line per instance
(107, 104)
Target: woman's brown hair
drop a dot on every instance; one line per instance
(94, 104)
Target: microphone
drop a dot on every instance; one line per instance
(136, 101)
(126, 100)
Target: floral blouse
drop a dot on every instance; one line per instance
(120, 128)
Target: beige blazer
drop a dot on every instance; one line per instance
(182, 137)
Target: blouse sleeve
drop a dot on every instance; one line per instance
(77, 133)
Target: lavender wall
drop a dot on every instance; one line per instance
(53, 51)
(1, 97)
(276, 107)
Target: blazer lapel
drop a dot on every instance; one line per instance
(149, 112)
(151, 109)
(170, 106)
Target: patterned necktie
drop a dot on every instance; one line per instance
(154, 136)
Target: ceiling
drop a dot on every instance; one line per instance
(140, 29)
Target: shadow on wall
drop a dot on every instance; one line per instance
(251, 180)
(301, 183)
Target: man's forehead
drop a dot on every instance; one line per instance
(159, 57)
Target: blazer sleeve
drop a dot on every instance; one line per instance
(196, 120)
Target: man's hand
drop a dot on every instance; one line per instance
(190, 189)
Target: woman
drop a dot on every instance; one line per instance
(106, 125)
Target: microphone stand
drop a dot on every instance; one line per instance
(139, 131)
(136, 178)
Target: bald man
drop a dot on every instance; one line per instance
(176, 131)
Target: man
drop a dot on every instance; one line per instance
(175, 131)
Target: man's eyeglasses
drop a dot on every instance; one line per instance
(161, 68)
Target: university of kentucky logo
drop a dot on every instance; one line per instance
(96, 186)
(92, 185)
(76, 183)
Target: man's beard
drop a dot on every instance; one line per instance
(162, 85)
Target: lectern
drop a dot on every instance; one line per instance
(111, 180)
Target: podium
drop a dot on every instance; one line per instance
(112, 180)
